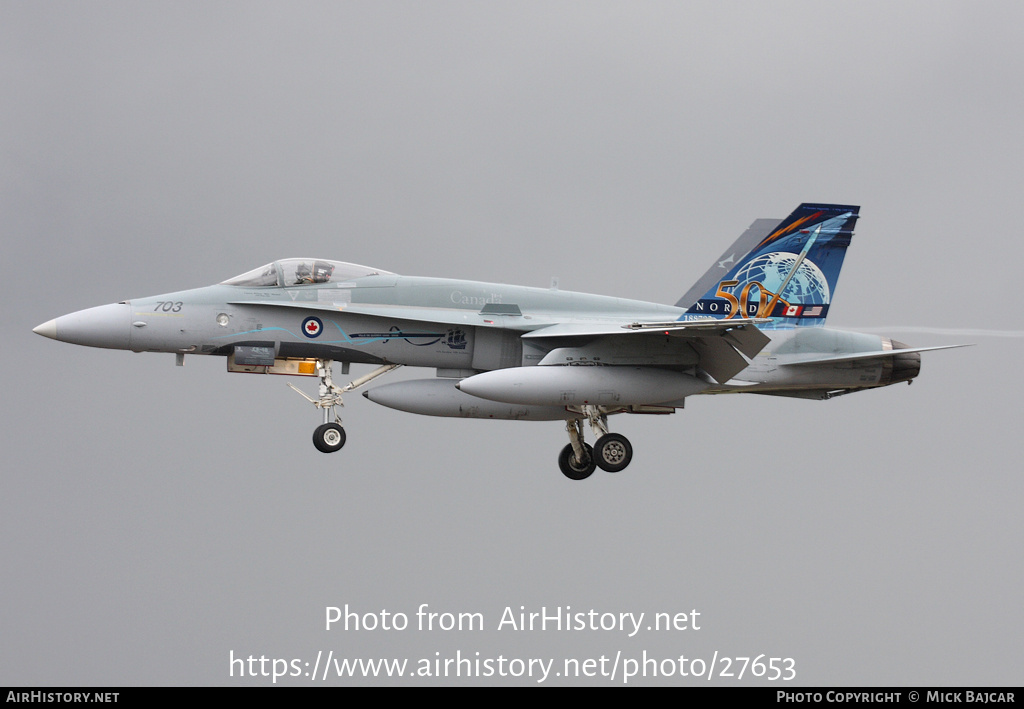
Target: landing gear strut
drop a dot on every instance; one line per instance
(330, 436)
(577, 459)
(611, 452)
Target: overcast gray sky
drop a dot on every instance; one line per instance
(156, 519)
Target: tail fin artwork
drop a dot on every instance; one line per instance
(790, 275)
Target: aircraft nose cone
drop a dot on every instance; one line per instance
(103, 326)
(47, 329)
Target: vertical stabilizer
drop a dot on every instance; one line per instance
(740, 248)
(790, 275)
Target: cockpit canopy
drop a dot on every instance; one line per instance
(302, 271)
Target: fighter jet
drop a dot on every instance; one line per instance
(754, 323)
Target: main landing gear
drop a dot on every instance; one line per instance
(611, 451)
(330, 436)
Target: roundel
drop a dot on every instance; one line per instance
(312, 327)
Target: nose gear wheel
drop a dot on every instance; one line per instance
(329, 437)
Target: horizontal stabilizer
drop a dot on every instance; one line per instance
(834, 359)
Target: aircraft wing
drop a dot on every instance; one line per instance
(713, 345)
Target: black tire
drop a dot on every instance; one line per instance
(613, 452)
(329, 437)
(573, 470)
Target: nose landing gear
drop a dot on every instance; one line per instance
(330, 436)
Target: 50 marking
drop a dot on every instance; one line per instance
(739, 306)
(168, 306)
